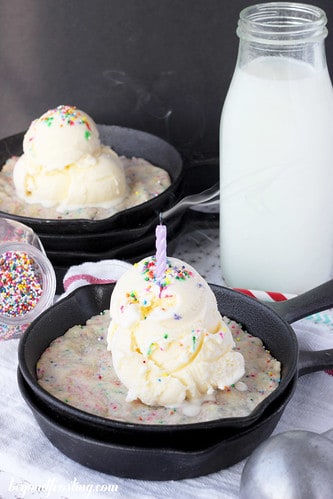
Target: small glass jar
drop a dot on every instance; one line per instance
(28, 281)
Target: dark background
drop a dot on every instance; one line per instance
(162, 66)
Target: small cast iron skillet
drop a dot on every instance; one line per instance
(135, 246)
(208, 454)
(272, 326)
(206, 177)
(127, 142)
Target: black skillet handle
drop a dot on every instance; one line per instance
(313, 301)
(310, 361)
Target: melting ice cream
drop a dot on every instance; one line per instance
(65, 165)
(168, 340)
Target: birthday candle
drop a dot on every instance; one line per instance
(161, 246)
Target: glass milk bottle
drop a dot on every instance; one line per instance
(276, 153)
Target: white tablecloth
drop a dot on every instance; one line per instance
(31, 467)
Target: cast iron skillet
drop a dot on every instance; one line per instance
(272, 326)
(124, 141)
(135, 245)
(115, 239)
(126, 459)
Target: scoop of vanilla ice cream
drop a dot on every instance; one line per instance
(96, 181)
(168, 341)
(60, 137)
(65, 165)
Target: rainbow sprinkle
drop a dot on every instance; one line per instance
(132, 297)
(172, 272)
(70, 116)
(20, 284)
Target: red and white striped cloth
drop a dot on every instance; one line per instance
(265, 295)
(103, 272)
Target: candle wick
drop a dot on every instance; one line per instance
(160, 218)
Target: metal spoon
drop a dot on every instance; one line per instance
(291, 465)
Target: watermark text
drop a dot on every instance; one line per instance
(52, 487)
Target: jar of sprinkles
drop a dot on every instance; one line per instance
(27, 278)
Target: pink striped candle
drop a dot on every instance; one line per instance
(161, 247)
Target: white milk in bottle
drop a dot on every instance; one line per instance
(276, 154)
